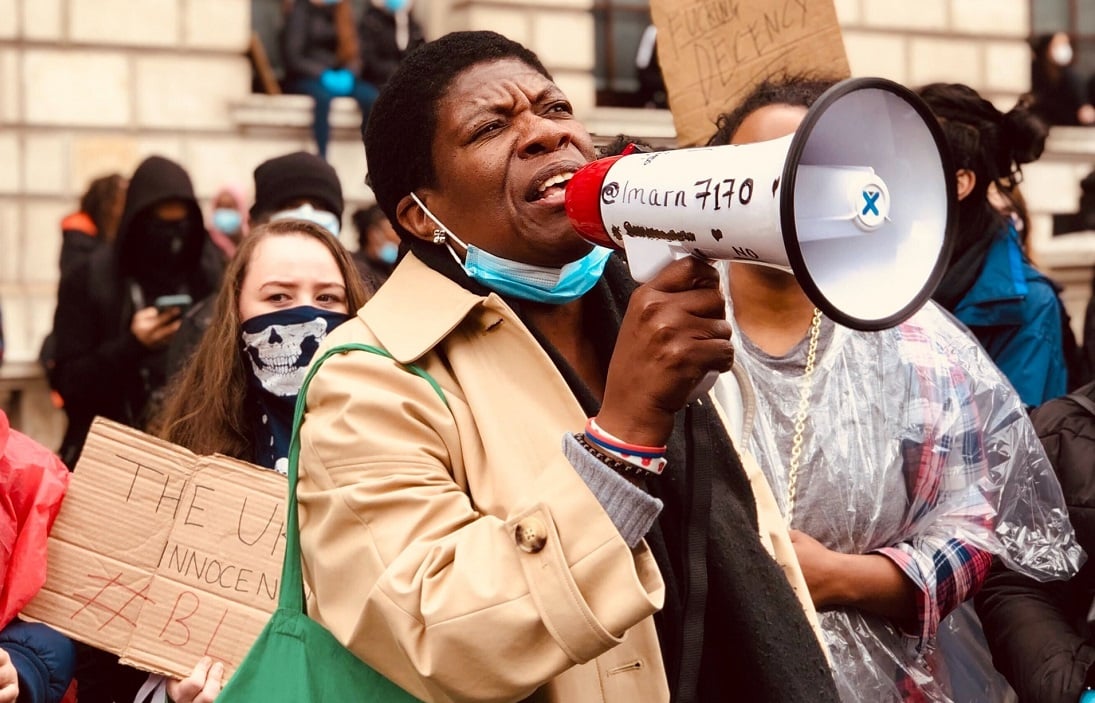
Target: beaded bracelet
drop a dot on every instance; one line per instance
(650, 459)
(619, 466)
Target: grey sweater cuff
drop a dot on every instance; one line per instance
(631, 509)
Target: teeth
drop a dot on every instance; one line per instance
(556, 180)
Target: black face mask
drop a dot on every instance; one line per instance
(161, 245)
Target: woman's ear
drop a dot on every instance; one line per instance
(966, 179)
(414, 219)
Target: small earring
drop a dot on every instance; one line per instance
(439, 236)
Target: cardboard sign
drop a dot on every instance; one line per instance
(713, 52)
(162, 556)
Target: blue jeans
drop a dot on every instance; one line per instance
(364, 93)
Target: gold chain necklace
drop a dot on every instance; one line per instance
(800, 417)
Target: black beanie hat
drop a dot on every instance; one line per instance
(298, 175)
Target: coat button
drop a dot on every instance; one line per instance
(531, 534)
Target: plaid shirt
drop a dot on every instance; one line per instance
(912, 447)
(945, 569)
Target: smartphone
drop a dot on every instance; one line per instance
(167, 302)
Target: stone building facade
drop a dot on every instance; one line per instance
(93, 86)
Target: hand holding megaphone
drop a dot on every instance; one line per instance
(673, 335)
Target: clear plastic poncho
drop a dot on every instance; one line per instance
(913, 444)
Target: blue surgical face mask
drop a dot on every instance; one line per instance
(389, 252)
(540, 284)
(395, 6)
(227, 220)
(327, 220)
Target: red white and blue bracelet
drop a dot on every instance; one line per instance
(649, 459)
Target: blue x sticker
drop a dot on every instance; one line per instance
(870, 207)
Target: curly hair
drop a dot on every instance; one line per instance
(205, 406)
(991, 144)
(797, 90)
(400, 132)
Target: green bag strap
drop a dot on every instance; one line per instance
(291, 596)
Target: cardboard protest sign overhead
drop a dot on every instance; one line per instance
(161, 556)
(713, 52)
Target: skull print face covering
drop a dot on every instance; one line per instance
(279, 346)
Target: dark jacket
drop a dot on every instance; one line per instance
(373, 273)
(1039, 633)
(185, 342)
(1057, 100)
(100, 367)
(1088, 348)
(309, 41)
(79, 238)
(44, 659)
(380, 52)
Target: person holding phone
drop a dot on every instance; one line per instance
(117, 312)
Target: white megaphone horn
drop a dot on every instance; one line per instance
(858, 203)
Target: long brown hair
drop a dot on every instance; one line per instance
(103, 202)
(205, 408)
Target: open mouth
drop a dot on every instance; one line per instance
(552, 188)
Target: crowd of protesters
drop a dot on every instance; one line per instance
(544, 511)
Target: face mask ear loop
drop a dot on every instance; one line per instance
(446, 230)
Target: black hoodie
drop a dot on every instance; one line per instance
(101, 368)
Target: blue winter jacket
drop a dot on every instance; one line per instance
(1015, 313)
(44, 659)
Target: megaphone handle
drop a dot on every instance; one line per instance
(705, 384)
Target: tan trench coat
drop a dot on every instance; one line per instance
(454, 548)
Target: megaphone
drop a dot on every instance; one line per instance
(858, 203)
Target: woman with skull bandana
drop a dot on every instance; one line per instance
(289, 283)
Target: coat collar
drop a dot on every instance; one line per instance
(417, 307)
(997, 295)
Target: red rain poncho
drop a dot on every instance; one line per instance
(32, 483)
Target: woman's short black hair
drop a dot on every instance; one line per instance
(399, 134)
(796, 90)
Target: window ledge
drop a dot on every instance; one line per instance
(1073, 141)
(259, 111)
(1066, 251)
(291, 111)
(653, 126)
